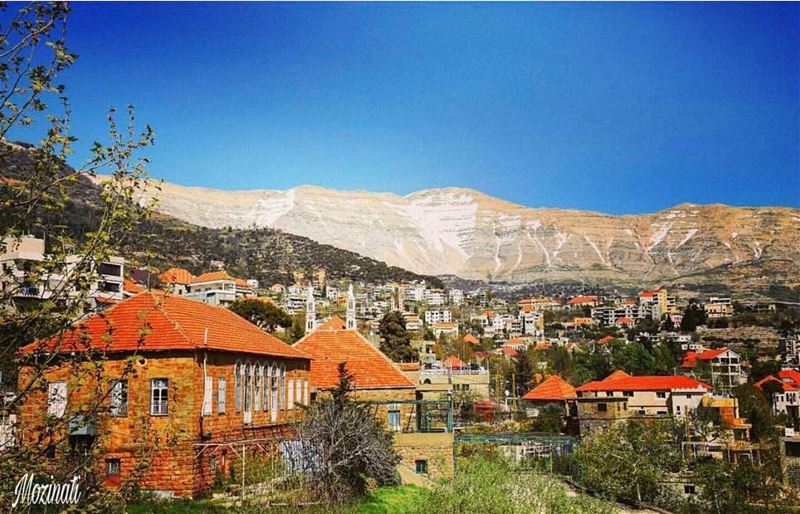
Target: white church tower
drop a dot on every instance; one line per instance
(350, 324)
(311, 311)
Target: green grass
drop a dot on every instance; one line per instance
(390, 500)
(385, 500)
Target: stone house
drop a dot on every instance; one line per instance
(621, 396)
(183, 387)
(425, 449)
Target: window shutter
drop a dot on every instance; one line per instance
(207, 396)
(290, 392)
(57, 399)
(221, 399)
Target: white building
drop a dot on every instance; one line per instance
(438, 316)
(456, 296)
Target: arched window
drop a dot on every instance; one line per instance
(274, 391)
(237, 377)
(257, 392)
(283, 386)
(265, 381)
(248, 387)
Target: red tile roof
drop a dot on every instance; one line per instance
(605, 340)
(785, 386)
(212, 276)
(789, 380)
(176, 276)
(554, 388)
(644, 383)
(330, 344)
(790, 376)
(617, 374)
(453, 362)
(582, 299)
(129, 286)
(691, 358)
(408, 366)
(154, 321)
(471, 339)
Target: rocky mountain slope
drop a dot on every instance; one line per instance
(472, 235)
(163, 242)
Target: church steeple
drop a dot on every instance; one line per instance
(351, 309)
(311, 311)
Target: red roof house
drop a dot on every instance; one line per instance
(553, 389)
(331, 344)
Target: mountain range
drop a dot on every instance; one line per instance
(463, 232)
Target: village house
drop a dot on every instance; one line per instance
(722, 365)
(554, 390)
(449, 330)
(621, 396)
(380, 382)
(579, 302)
(785, 393)
(218, 288)
(176, 281)
(717, 307)
(204, 385)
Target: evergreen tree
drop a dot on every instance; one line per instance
(265, 315)
(395, 340)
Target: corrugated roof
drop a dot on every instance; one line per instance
(330, 344)
(154, 321)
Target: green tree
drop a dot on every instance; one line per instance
(755, 407)
(395, 341)
(693, 316)
(265, 315)
(629, 459)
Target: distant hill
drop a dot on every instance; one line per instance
(265, 254)
(465, 233)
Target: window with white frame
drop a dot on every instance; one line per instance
(257, 391)
(275, 395)
(394, 417)
(57, 399)
(159, 396)
(221, 386)
(290, 394)
(248, 384)
(306, 399)
(282, 390)
(119, 398)
(237, 386)
(298, 391)
(265, 382)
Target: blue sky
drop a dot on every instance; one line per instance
(620, 108)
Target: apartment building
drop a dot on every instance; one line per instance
(723, 367)
(438, 316)
(28, 276)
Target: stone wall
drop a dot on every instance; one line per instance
(435, 448)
